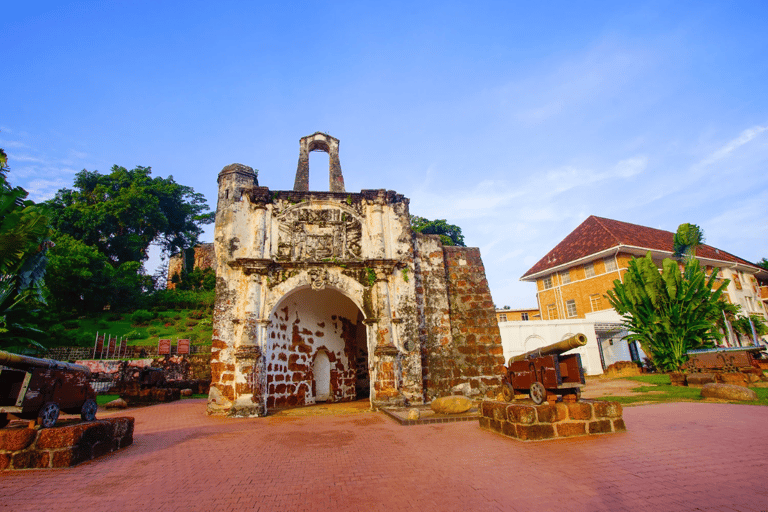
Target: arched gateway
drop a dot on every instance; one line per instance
(338, 283)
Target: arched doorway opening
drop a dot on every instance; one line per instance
(317, 349)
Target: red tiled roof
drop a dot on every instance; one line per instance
(597, 234)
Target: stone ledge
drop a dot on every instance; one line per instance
(63, 446)
(528, 422)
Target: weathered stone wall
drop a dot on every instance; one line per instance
(303, 273)
(464, 353)
(528, 422)
(64, 445)
(202, 256)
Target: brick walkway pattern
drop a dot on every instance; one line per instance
(675, 457)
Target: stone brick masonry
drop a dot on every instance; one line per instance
(528, 422)
(63, 446)
(470, 361)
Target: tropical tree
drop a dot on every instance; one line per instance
(763, 263)
(687, 239)
(24, 239)
(123, 212)
(449, 234)
(668, 312)
(82, 279)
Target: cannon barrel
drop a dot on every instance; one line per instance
(575, 341)
(23, 362)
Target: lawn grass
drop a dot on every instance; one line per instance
(657, 389)
(105, 399)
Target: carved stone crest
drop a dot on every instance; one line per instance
(318, 277)
(312, 234)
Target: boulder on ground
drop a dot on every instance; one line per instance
(728, 392)
(455, 404)
(186, 392)
(622, 369)
(116, 404)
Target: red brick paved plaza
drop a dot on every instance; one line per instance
(674, 457)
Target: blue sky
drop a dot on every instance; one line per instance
(515, 121)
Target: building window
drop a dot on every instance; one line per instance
(503, 317)
(524, 316)
(565, 277)
(595, 302)
(552, 312)
(589, 270)
(737, 281)
(548, 282)
(570, 306)
(610, 264)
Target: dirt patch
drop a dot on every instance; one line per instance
(596, 388)
(330, 409)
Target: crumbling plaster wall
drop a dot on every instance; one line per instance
(416, 307)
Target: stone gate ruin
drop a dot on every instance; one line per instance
(330, 296)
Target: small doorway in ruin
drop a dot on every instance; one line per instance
(318, 349)
(321, 370)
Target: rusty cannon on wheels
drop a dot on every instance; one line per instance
(546, 370)
(38, 389)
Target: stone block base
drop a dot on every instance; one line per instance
(64, 445)
(151, 395)
(529, 422)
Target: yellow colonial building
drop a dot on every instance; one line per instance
(572, 279)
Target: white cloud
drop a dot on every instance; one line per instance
(27, 158)
(631, 166)
(743, 138)
(12, 144)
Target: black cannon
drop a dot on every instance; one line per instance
(546, 370)
(33, 388)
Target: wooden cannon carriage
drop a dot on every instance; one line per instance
(38, 389)
(546, 371)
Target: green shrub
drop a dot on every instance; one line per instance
(135, 334)
(71, 324)
(153, 331)
(141, 317)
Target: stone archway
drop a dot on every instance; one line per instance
(305, 327)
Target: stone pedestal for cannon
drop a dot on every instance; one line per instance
(38, 389)
(546, 371)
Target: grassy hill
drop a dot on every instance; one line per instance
(182, 315)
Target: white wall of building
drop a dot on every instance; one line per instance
(520, 337)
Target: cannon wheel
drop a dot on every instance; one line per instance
(507, 392)
(538, 393)
(4, 420)
(88, 412)
(48, 414)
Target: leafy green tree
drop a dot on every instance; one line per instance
(123, 212)
(449, 233)
(24, 240)
(668, 312)
(687, 239)
(81, 278)
(763, 263)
